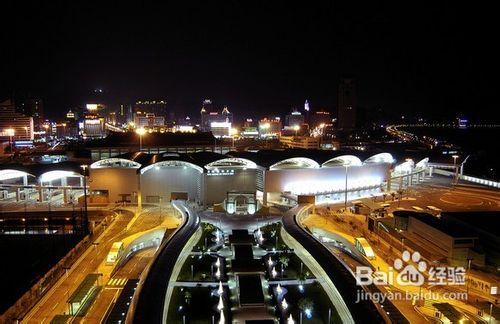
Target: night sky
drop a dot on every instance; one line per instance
(259, 56)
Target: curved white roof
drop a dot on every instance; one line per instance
(115, 163)
(380, 158)
(233, 163)
(172, 163)
(343, 160)
(295, 163)
(57, 174)
(8, 174)
(422, 164)
(404, 167)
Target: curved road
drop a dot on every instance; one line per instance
(149, 301)
(342, 278)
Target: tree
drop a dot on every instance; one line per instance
(284, 259)
(306, 305)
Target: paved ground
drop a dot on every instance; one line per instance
(229, 222)
(439, 192)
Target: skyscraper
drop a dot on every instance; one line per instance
(210, 115)
(347, 104)
(294, 118)
(13, 124)
(306, 111)
(157, 107)
(34, 108)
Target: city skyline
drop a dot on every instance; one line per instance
(260, 57)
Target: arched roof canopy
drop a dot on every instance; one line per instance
(232, 163)
(380, 158)
(422, 164)
(57, 174)
(115, 163)
(405, 167)
(171, 164)
(295, 163)
(343, 160)
(8, 174)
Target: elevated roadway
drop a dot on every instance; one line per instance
(149, 302)
(339, 274)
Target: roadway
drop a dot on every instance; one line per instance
(336, 232)
(112, 289)
(54, 301)
(92, 261)
(149, 300)
(437, 191)
(342, 278)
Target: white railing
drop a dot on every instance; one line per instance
(484, 182)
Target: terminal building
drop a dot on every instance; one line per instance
(241, 181)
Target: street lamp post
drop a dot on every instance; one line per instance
(46, 126)
(140, 131)
(345, 197)
(455, 157)
(296, 128)
(467, 276)
(233, 133)
(86, 220)
(263, 132)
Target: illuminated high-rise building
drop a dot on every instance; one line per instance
(210, 117)
(14, 125)
(34, 108)
(158, 107)
(294, 118)
(347, 103)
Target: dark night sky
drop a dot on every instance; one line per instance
(253, 55)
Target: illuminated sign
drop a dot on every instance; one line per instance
(92, 121)
(217, 172)
(220, 124)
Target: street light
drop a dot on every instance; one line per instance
(233, 132)
(345, 198)
(296, 128)
(140, 131)
(455, 157)
(84, 168)
(264, 128)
